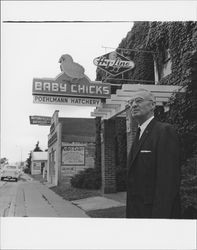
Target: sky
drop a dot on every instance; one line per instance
(30, 50)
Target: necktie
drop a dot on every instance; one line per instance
(136, 140)
(137, 134)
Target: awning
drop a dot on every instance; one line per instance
(116, 105)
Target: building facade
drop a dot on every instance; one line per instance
(39, 161)
(71, 147)
(165, 55)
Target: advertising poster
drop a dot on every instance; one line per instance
(73, 155)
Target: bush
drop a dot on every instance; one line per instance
(27, 171)
(89, 178)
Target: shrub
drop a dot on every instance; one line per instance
(27, 171)
(89, 178)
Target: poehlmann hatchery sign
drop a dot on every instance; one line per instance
(71, 86)
(113, 63)
(62, 100)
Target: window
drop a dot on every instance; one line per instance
(167, 64)
(165, 68)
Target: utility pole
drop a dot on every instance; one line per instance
(20, 153)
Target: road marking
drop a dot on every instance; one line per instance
(11, 212)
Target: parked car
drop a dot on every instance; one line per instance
(10, 172)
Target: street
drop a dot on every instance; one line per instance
(30, 198)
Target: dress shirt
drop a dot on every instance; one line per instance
(144, 125)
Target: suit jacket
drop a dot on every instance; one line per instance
(153, 178)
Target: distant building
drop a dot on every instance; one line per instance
(38, 162)
(71, 147)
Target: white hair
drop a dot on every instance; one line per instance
(149, 93)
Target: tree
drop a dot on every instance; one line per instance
(28, 165)
(37, 148)
(4, 160)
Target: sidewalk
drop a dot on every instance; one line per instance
(107, 205)
(40, 201)
(62, 207)
(101, 202)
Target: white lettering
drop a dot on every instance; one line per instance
(99, 90)
(54, 86)
(102, 61)
(38, 85)
(92, 89)
(87, 89)
(73, 88)
(63, 87)
(81, 88)
(46, 86)
(106, 90)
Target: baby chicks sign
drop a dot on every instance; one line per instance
(71, 82)
(113, 63)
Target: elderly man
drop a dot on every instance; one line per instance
(153, 164)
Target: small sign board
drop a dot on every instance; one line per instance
(114, 63)
(73, 155)
(40, 120)
(62, 100)
(68, 171)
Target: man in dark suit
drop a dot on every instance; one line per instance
(153, 164)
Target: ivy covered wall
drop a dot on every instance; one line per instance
(147, 43)
(180, 39)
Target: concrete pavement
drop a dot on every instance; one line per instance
(31, 198)
(98, 202)
(64, 208)
(43, 202)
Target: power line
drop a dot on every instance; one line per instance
(137, 50)
(64, 21)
